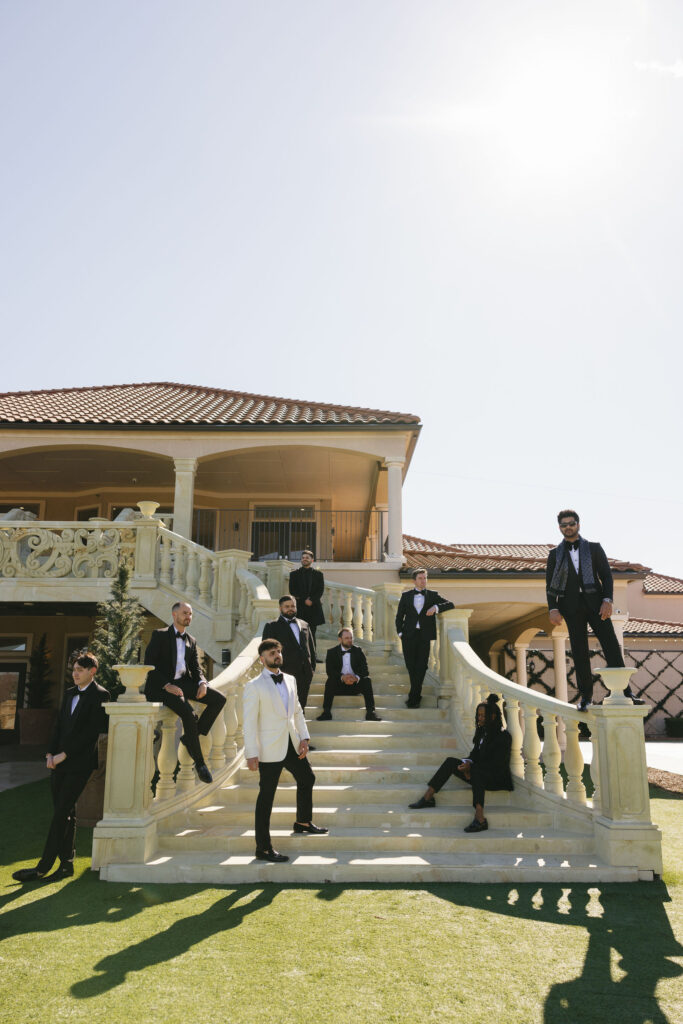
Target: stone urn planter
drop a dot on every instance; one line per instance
(90, 805)
(35, 726)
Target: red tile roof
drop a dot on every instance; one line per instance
(487, 557)
(650, 627)
(655, 583)
(165, 403)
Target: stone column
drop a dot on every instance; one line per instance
(520, 655)
(619, 620)
(559, 637)
(183, 500)
(395, 494)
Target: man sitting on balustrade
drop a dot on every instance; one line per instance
(347, 675)
(177, 679)
(486, 767)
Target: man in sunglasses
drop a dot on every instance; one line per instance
(72, 757)
(579, 589)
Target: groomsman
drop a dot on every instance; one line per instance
(579, 589)
(416, 626)
(307, 585)
(298, 649)
(72, 757)
(276, 737)
(177, 679)
(347, 675)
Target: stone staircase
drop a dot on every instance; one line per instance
(366, 775)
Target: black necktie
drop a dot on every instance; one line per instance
(277, 678)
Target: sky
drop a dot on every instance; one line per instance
(467, 211)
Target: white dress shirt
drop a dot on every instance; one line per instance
(76, 696)
(282, 690)
(294, 626)
(180, 667)
(419, 602)
(346, 663)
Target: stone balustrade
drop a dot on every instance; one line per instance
(51, 551)
(350, 607)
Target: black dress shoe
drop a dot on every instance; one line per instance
(325, 717)
(27, 875)
(63, 871)
(311, 829)
(372, 716)
(203, 772)
(272, 855)
(423, 802)
(310, 745)
(413, 703)
(584, 705)
(477, 826)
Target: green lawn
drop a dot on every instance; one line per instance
(95, 952)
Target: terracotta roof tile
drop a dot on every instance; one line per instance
(645, 627)
(655, 583)
(487, 557)
(167, 403)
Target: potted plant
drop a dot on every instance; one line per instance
(37, 717)
(115, 641)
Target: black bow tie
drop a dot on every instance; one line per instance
(277, 678)
(179, 636)
(420, 592)
(574, 546)
(346, 650)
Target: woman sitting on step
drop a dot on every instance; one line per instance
(487, 767)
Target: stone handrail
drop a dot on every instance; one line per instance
(619, 811)
(55, 550)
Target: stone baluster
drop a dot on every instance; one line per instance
(185, 780)
(178, 566)
(515, 730)
(521, 651)
(231, 724)
(573, 763)
(552, 755)
(205, 579)
(358, 615)
(368, 624)
(348, 610)
(595, 770)
(192, 582)
(532, 747)
(239, 707)
(165, 567)
(218, 737)
(167, 757)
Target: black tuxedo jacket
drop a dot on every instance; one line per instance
(298, 659)
(333, 663)
(492, 755)
(407, 618)
(162, 653)
(76, 735)
(603, 581)
(305, 583)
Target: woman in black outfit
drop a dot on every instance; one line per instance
(487, 767)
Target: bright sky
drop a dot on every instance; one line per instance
(468, 211)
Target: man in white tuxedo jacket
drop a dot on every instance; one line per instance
(276, 737)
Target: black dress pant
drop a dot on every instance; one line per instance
(193, 728)
(339, 689)
(416, 656)
(476, 780)
(269, 776)
(303, 685)
(66, 788)
(577, 626)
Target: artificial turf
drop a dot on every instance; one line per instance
(91, 951)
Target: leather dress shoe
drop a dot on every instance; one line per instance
(412, 703)
(584, 705)
(325, 717)
(27, 875)
(203, 772)
(372, 716)
(423, 802)
(65, 870)
(271, 855)
(477, 826)
(311, 829)
(311, 747)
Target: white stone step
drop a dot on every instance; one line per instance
(234, 839)
(215, 868)
(382, 700)
(349, 814)
(345, 709)
(398, 794)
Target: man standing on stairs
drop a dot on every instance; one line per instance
(416, 626)
(579, 589)
(298, 649)
(307, 585)
(347, 675)
(177, 679)
(276, 737)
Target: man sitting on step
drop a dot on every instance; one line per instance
(347, 675)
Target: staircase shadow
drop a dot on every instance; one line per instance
(626, 922)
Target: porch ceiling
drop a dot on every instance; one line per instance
(489, 618)
(82, 469)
